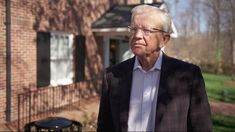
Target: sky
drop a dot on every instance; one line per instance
(178, 6)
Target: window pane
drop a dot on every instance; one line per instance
(61, 59)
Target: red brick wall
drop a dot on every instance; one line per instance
(28, 17)
(23, 51)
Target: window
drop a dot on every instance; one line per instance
(61, 59)
(56, 58)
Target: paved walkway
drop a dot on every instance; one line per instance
(4, 128)
(86, 112)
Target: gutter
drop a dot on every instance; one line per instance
(123, 31)
(8, 61)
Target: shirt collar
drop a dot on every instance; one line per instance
(157, 65)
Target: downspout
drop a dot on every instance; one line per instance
(8, 61)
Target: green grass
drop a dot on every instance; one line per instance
(217, 89)
(223, 123)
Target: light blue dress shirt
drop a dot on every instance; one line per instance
(143, 99)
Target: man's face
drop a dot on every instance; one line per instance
(143, 40)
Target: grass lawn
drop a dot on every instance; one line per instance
(223, 123)
(218, 89)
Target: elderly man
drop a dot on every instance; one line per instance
(151, 91)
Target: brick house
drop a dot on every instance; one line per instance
(55, 48)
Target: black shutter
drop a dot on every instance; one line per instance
(43, 59)
(80, 51)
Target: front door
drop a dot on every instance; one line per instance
(118, 50)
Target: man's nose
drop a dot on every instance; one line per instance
(138, 33)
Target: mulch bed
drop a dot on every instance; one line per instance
(222, 108)
(230, 83)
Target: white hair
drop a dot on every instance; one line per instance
(164, 16)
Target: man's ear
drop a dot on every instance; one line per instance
(166, 38)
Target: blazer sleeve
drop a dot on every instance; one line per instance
(199, 111)
(104, 123)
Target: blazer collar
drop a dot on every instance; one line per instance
(157, 65)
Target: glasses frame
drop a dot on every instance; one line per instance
(144, 31)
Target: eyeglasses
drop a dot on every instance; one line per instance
(145, 31)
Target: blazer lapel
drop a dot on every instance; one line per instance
(163, 95)
(125, 83)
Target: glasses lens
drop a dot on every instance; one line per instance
(144, 31)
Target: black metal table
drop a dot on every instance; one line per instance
(54, 124)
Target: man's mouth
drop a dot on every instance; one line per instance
(138, 44)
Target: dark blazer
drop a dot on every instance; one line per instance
(182, 103)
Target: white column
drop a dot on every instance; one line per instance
(106, 48)
(148, 1)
